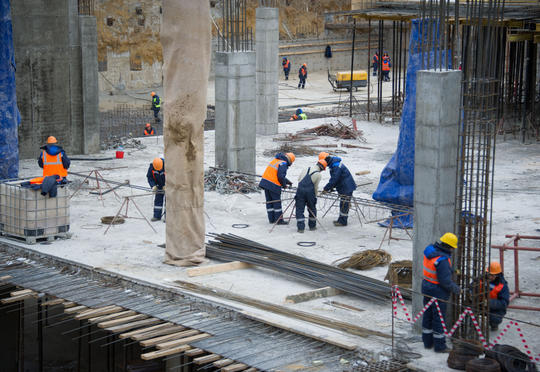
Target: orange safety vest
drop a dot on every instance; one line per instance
(375, 59)
(386, 64)
(52, 165)
(146, 133)
(270, 174)
(494, 293)
(294, 117)
(286, 64)
(430, 271)
(303, 71)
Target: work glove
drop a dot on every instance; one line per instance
(154, 189)
(163, 188)
(458, 272)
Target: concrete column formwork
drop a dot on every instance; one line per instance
(435, 163)
(267, 65)
(235, 111)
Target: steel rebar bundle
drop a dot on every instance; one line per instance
(229, 247)
(235, 35)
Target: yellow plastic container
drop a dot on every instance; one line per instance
(346, 75)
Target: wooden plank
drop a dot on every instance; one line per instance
(234, 367)
(218, 268)
(5, 277)
(159, 332)
(157, 340)
(21, 292)
(112, 316)
(75, 309)
(10, 300)
(252, 369)
(311, 295)
(223, 362)
(128, 326)
(145, 330)
(92, 313)
(362, 173)
(161, 353)
(207, 359)
(56, 301)
(181, 341)
(68, 304)
(111, 323)
(194, 352)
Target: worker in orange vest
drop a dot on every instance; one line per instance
(499, 295)
(273, 180)
(437, 283)
(375, 63)
(386, 64)
(302, 76)
(286, 67)
(148, 130)
(53, 160)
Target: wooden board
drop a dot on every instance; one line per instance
(10, 300)
(156, 333)
(165, 352)
(235, 367)
(223, 363)
(181, 341)
(145, 330)
(112, 316)
(111, 323)
(5, 277)
(172, 336)
(311, 295)
(194, 352)
(128, 326)
(75, 309)
(207, 359)
(56, 301)
(92, 313)
(219, 268)
(21, 292)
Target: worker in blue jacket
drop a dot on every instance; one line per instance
(499, 295)
(342, 180)
(156, 180)
(53, 149)
(437, 283)
(273, 180)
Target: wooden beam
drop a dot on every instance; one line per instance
(157, 340)
(235, 367)
(194, 352)
(159, 332)
(112, 316)
(520, 37)
(223, 362)
(145, 330)
(56, 301)
(207, 359)
(128, 326)
(21, 292)
(92, 313)
(68, 304)
(22, 297)
(161, 353)
(218, 268)
(181, 341)
(311, 295)
(252, 369)
(118, 321)
(75, 309)
(5, 277)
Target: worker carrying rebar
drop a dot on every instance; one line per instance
(375, 63)
(341, 180)
(499, 295)
(286, 67)
(156, 105)
(273, 180)
(437, 283)
(302, 76)
(306, 195)
(156, 180)
(386, 65)
(148, 130)
(298, 115)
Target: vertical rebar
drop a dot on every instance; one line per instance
(352, 68)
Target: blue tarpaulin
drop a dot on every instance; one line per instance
(396, 184)
(9, 113)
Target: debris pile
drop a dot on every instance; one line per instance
(368, 259)
(115, 142)
(227, 182)
(338, 130)
(298, 150)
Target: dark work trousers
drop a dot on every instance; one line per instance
(273, 205)
(432, 330)
(156, 112)
(286, 72)
(158, 203)
(344, 205)
(302, 82)
(386, 75)
(305, 196)
(375, 69)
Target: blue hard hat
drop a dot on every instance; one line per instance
(284, 57)
(298, 111)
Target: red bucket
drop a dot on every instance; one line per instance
(119, 154)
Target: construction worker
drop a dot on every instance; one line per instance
(273, 180)
(298, 115)
(306, 196)
(286, 67)
(375, 63)
(156, 180)
(342, 180)
(437, 283)
(148, 130)
(386, 64)
(302, 76)
(53, 160)
(156, 105)
(499, 295)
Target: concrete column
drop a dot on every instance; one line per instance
(235, 111)
(89, 86)
(267, 51)
(435, 162)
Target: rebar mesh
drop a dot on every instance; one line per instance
(235, 35)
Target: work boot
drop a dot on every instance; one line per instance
(337, 223)
(494, 327)
(445, 350)
(313, 228)
(301, 231)
(282, 222)
(155, 219)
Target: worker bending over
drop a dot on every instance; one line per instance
(306, 196)
(156, 180)
(156, 105)
(298, 115)
(437, 283)
(302, 76)
(342, 180)
(499, 295)
(273, 180)
(148, 130)
(286, 67)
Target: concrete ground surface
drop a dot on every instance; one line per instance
(131, 249)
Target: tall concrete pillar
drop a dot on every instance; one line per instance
(235, 111)
(435, 162)
(267, 50)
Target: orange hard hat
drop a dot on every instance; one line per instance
(323, 155)
(494, 268)
(291, 157)
(148, 125)
(323, 164)
(153, 94)
(304, 65)
(157, 163)
(51, 140)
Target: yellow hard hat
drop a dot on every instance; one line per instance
(449, 239)
(51, 140)
(158, 164)
(291, 157)
(494, 268)
(323, 155)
